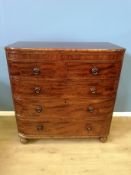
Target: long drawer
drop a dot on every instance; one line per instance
(63, 129)
(69, 69)
(63, 88)
(63, 109)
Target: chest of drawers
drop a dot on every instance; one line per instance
(64, 90)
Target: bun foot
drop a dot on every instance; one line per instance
(23, 140)
(103, 139)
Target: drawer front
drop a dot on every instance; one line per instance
(63, 129)
(84, 70)
(61, 69)
(64, 88)
(64, 109)
(38, 69)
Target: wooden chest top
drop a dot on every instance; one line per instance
(91, 46)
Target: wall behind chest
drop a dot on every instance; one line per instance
(56, 20)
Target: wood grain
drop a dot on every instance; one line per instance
(67, 69)
(64, 55)
(50, 70)
(64, 109)
(56, 129)
(63, 88)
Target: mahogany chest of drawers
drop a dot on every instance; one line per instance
(64, 90)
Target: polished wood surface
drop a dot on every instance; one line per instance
(40, 55)
(66, 129)
(62, 156)
(65, 45)
(64, 89)
(63, 109)
(81, 70)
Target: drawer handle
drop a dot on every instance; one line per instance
(90, 108)
(93, 90)
(66, 102)
(40, 127)
(37, 90)
(36, 71)
(89, 128)
(94, 70)
(38, 109)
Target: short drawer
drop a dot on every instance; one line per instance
(63, 129)
(64, 88)
(84, 70)
(63, 109)
(45, 70)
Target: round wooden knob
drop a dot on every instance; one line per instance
(93, 90)
(89, 128)
(37, 90)
(94, 70)
(40, 127)
(90, 108)
(38, 109)
(36, 71)
(66, 102)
